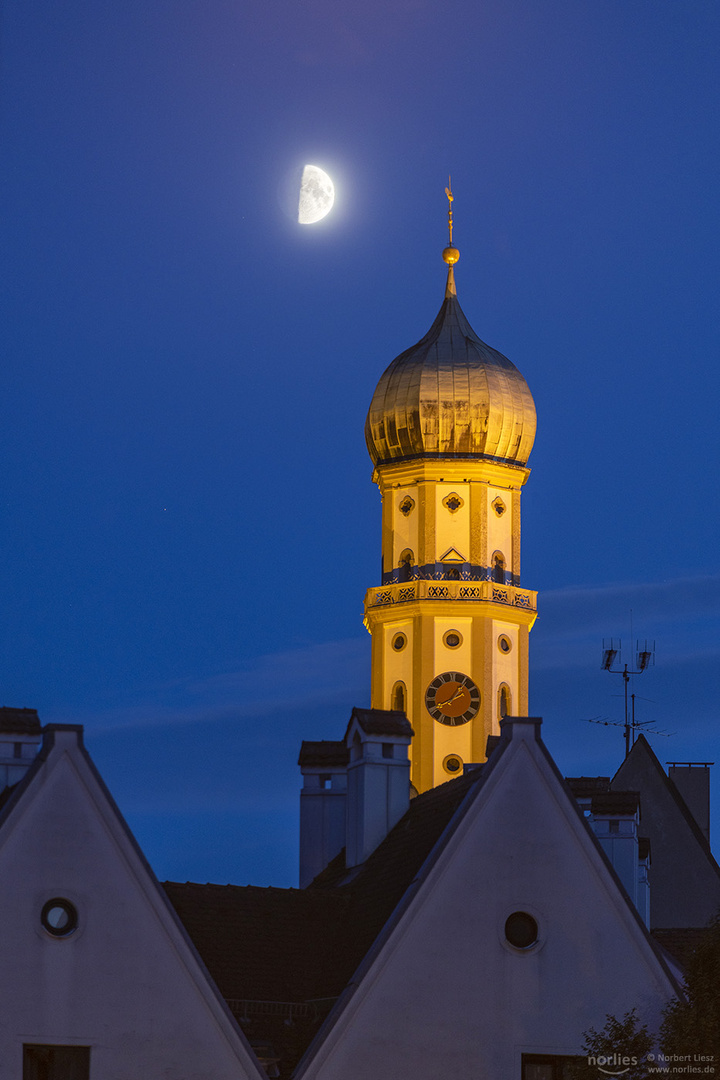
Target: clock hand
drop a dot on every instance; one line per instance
(448, 701)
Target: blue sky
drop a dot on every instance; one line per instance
(188, 520)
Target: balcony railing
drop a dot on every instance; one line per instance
(487, 591)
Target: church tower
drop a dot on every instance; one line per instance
(450, 428)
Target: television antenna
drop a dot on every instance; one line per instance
(612, 662)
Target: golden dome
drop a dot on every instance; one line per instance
(451, 395)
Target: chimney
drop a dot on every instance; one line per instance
(322, 805)
(20, 737)
(692, 780)
(378, 778)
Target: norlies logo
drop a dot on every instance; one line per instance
(612, 1064)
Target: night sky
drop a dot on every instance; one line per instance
(188, 520)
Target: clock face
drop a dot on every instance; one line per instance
(452, 698)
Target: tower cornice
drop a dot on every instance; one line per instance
(451, 470)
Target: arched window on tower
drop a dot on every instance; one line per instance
(504, 701)
(407, 561)
(498, 567)
(398, 699)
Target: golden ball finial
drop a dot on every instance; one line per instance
(451, 255)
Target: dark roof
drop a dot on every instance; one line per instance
(268, 951)
(19, 721)
(326, 752)
(382, 722)
(265, 944)
(682, 942)
(303, 945)
(583, 787)
(616, 802)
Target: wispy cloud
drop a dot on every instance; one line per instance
(683, 615)
(275, 683)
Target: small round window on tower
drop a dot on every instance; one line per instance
(452, 639)
(504, 643)
(453, 764)
(399, 642)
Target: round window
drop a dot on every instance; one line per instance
(452, 639)
(453, 764)
(521, 930)
(59, 917)
(399, 642)
(504, 643)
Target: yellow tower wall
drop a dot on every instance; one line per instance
(431, 598)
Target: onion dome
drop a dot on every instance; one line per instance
(451, 395)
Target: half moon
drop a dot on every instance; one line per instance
(317, 195)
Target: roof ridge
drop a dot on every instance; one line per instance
(677, 797)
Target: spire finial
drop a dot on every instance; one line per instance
(448, 192)
(451, 253)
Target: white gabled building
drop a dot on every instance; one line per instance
(481, 934)
(514, 938)
(99, 977)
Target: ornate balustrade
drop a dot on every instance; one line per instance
(487, 591)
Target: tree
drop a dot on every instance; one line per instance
(693, 1026)
(621, 1046)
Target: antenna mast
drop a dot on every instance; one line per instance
(612, 662)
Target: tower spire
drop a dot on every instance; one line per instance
(451, 253)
